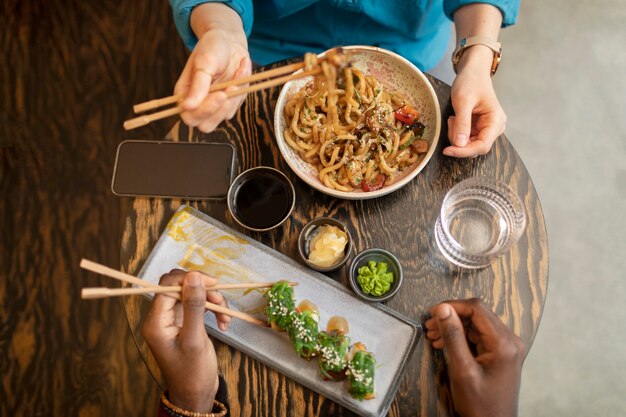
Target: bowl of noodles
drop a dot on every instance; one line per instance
(361, 128)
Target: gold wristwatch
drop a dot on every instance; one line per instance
(465, 43)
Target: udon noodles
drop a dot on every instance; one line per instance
(357, 132)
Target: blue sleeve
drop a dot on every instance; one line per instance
(508, 8)
(182, 12)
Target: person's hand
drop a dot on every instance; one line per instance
(221, 54)
(178, 340)
(484, 358)
(479, 119)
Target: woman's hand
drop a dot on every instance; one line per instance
(479, 118)
(484, 358)
(178, 340)
(221, 54)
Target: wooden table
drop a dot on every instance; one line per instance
(514, 287)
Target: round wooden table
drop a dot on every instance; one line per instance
(514, 286)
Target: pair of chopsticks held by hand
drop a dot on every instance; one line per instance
(172, 291)
(176, 99)
(337, 57)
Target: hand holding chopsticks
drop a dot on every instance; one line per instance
(172, 291)
(231, 92)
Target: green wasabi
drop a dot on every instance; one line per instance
(374, 279)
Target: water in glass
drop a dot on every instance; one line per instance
(480, 219)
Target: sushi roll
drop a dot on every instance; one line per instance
(280, 307)
(333, 345)
(360, 373)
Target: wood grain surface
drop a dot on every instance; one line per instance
(69, 74)
(402, 222)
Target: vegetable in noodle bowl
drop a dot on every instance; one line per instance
(357, 132)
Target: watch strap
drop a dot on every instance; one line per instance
(490, 43)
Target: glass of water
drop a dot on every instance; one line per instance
(480, 219)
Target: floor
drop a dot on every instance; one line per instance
(71, 71)
(563, 85)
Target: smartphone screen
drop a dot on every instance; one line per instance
(197, 171)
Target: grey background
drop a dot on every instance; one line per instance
(563, 86)
(562, 83)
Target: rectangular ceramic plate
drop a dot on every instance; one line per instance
(193, 240)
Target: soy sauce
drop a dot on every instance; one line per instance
(263, 201)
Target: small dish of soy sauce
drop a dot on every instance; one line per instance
(261, 198)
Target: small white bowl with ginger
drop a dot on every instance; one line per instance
(325, 244)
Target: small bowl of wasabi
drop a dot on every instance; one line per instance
(375, 275)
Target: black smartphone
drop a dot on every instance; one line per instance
(189, 170)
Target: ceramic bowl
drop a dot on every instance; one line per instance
(377, 255)
(261, 198)
(307, 234)
(396, 73)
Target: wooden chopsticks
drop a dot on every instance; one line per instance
(172, 291)
(103, 292)
(176, 99)
(160, 102)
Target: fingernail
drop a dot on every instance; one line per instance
(444, 312)
(193, 280)
(448, 152)
(461, 139)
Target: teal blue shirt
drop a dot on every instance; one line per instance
(419, 30)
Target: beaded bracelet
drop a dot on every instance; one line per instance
(219, 409)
